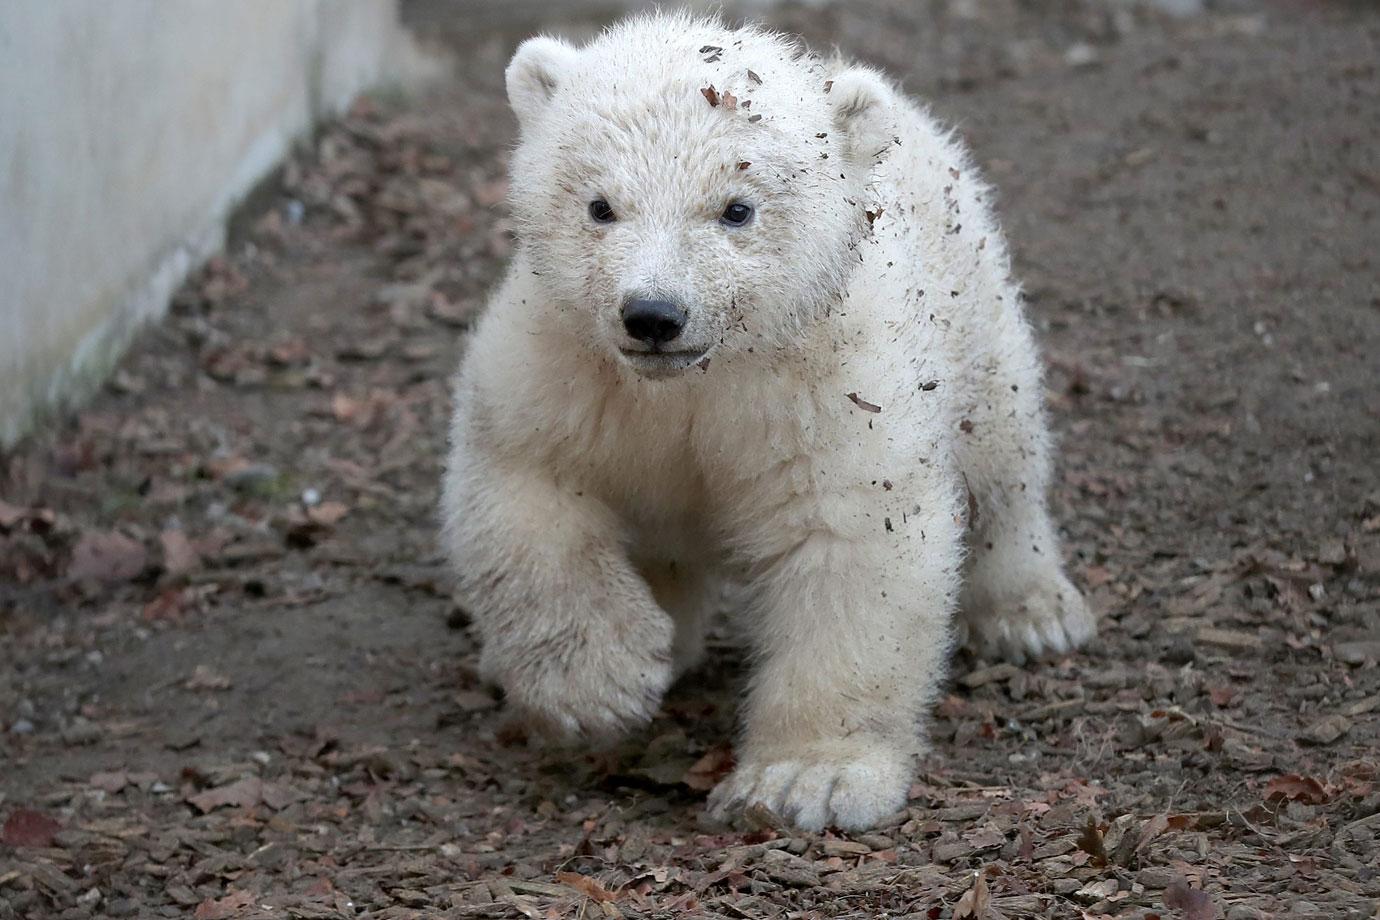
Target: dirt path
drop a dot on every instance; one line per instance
(231, 682)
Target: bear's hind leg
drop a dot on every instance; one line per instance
(689, 593)
(1017, 603)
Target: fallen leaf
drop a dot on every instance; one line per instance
(179, 556)
(591, 888)
(327, 514)
(1090, 842)
(223, 908)
(975, 900)
(753, 76)
(107, 556)
(279, 795)
(1326, 731)
(203, 678)
(710, 94)
(1296, 788)
(864, 404)
(1193, 902)
(11, 515)
(111, 782)
(706, 772)
(730, 101)
(243, 793)
(28, 828)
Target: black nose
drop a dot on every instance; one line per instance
(653, 321)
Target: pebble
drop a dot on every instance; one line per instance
(22, 727)
(1081, 55)
(876, 841)
(251, 477)
(1358, 652)
(1156, 877)
(81, 731)
(1244, 912)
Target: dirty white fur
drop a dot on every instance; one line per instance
(594, 506)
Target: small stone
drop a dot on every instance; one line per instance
(81, 731)
(1326, 731)
(789, 869)
(982, 676)
(1244, 912)
(845, 848)
(22, 727)
(253, 477)
(1156, 877)
(1179, 649)
(950, 850)
(1332, 552)
(1081, 54)
(1357, 652)
(876, 841)
(1235, 639)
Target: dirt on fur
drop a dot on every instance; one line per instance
(232, 682)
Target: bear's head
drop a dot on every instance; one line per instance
(685, 190)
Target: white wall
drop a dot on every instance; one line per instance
(128, 130)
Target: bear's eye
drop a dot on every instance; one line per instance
(736, 214)
(602, 211)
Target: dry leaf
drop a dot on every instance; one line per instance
(107, 556)
(1296, 788)
(11, 515)
(975, 901)
(864, 404)
(28, 828)
(244, 793)
(710, 94)
(1090, 842)
(1194, 903)
(111, 782)
(327, 514)
(591, 888)
(706, 772)
(203, 678)
(179, 556)
(223, 908)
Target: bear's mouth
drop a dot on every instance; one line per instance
(662, 363)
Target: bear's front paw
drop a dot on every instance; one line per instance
(594, 690)
(852, 793)
(1048, 617)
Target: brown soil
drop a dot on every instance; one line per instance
(220, 700)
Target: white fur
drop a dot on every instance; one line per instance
(593, 511)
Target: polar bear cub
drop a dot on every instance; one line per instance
(758, 331)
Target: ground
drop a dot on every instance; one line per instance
(232, 683)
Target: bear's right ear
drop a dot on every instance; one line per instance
(534, 73)
(863, 105)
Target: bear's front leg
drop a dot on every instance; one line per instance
(570, 631)
(853, 634)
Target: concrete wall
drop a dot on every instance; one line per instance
(128, 131)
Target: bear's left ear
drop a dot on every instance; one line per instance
(536, 70)
(863, 104)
